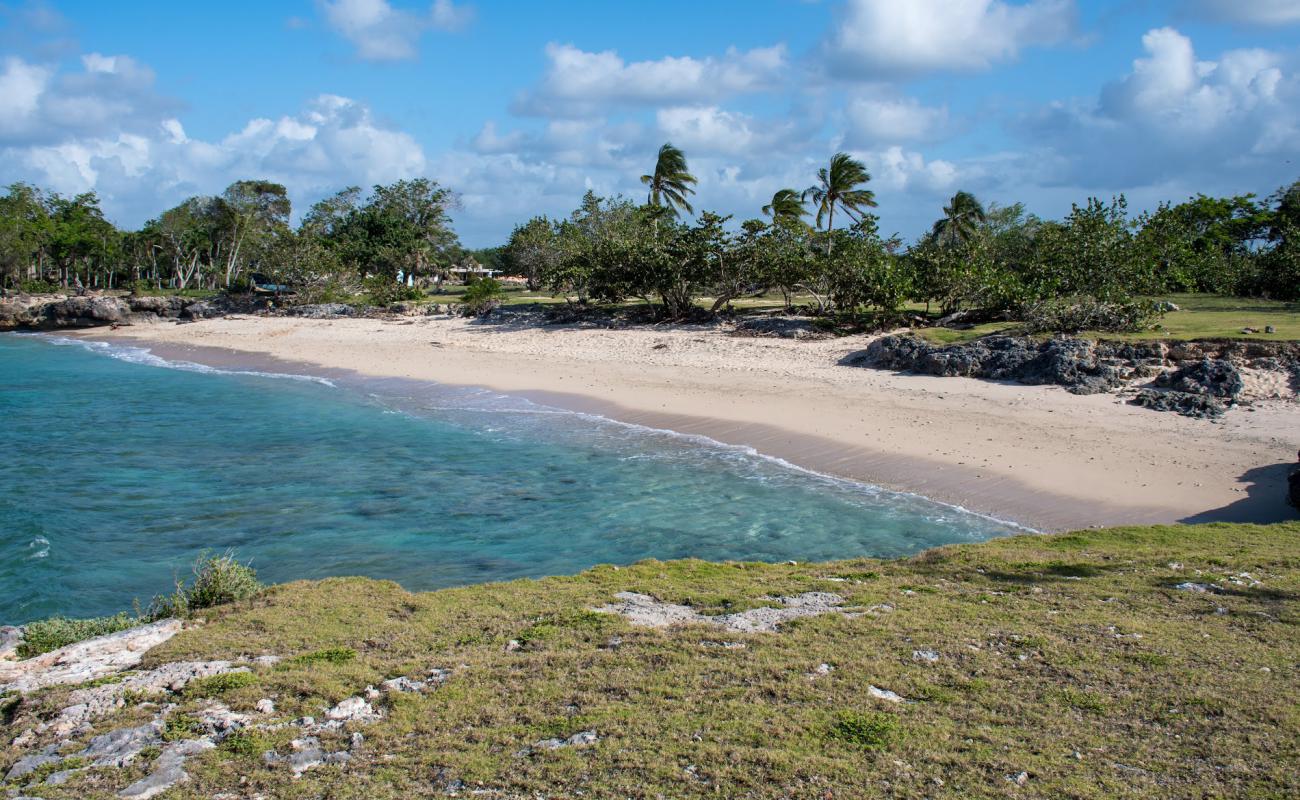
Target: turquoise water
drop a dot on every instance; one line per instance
(119, 468)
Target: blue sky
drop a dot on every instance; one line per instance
(520, 107)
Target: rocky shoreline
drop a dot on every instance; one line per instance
(1199, 378)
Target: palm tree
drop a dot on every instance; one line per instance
(961, 220)
(838, 186)
(671, 182)
(786, 205)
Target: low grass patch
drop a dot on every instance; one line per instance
(46, 635)
(1031, 666)
(215, 685)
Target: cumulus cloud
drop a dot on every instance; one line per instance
(381, 32)
(886, 119)
(580, 83)
(1177, 117)
(1251, 12)
(881, 37)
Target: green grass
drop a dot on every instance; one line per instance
(45, 635)
(1070, 657)
(1200, 316)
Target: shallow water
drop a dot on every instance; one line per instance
(120, 468)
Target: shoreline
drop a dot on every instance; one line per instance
(994, 449)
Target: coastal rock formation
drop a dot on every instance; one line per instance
(802, 328)
(58, 312)
(86, 660)
(1197, 378)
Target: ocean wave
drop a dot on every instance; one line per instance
(42, 547)
(142, 355)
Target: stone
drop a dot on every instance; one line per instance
(322, 311)
(29, 764)
(579, 739)
(820, 670)
(265, 706)
(87, 705)
(120, 747)
(647, 611)
(927, 656)
(87, 660)
(10, 638)
(403, 685)
(802, 328)
(353, 709)
(1189, 405)
(1019, 779)
(884, 694)
(1199, 588)
(168, 770)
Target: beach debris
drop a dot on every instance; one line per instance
(647, 611)
(884, 694)
(928, 656)
(86, 660)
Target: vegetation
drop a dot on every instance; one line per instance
(51, 634)
(1073, 658)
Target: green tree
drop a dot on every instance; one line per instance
(786, 206)
(961, 222)
(533, 251)
(671, 181)
(254, 212)
(838, 187)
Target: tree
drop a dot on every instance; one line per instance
(671, 181)
(24, 233)
(786, 206)
(533, 250)
(255, 212)
(961, 221)
(837, 186)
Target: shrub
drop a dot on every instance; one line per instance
(330, 655)
(51, 634)
(217, 580)
(1085, 313)
(382, 290)
(181, 726)
(245, 743)
(870, 731)
(482, 295)
(214, 685)
(39, 286)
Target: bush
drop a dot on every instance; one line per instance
(214, 685)
(39, 286)
(869, 731)
(51, 634)
(1084, 313)
(217, 580)
(382, 290)
(482, 295)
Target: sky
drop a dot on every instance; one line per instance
(521, 107)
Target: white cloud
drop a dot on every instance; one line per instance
(581, 83)
(1251, 12)
(884, 37)
(890, 120)
(381, 32)
(1174, 117)
(21, 87)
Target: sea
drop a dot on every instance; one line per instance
(119, 468)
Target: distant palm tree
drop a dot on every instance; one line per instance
(671, 182)
(961, 220)
(838, 186)
(787, 205)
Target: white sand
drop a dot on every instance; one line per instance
(1034, 454)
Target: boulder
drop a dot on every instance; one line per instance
(1214, 377)
(1188, 404)
(82, 312)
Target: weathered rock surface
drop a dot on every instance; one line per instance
(781, 327)
(642, 609)
(321, 311)
(87, 660)
(10, 639)
(57, 312)
(168, 770)
(87, 705)
(1197, 378)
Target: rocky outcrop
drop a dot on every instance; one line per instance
(59, 312)
(86, 660)
(803, 328)
(1197, 378)
(321, 311)
(647, 611)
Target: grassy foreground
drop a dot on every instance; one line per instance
(1070, 658)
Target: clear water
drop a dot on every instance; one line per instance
(119, 468)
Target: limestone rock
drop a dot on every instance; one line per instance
(85, 661)
(641, 609)
(168, 770)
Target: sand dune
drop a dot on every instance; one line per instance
(1036, 455)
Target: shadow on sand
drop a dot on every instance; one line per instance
(1265, 499)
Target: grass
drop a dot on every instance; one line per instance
(51, 634)
(1200, 316)
(1069, 657)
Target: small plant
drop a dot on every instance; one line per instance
(482, 295)
(51, 634)
(214, 685)
(181, 726)
(245, 743)
(1083, 701)
(217, 580)
(330, 655)
(870, 731)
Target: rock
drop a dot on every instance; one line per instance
(1019, 779)
(403, 685)
(1212, 377)
(10, 638)
(87, 705)
(353, 709)
(928, 656)
(821, 670)
(29, 764)
(265, 706)
(168, 770)
(85, 661)
(1270, 329)
(884, 694)
(642, 609)
(82, 312)
(120, 747)
(1189, 405)
(1199, 588)
(513, 645)
(203, 309)
(322, 311)
(579, 739)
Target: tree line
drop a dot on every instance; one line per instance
(48, 241)
(976, 259)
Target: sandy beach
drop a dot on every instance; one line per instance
(1036, 455)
